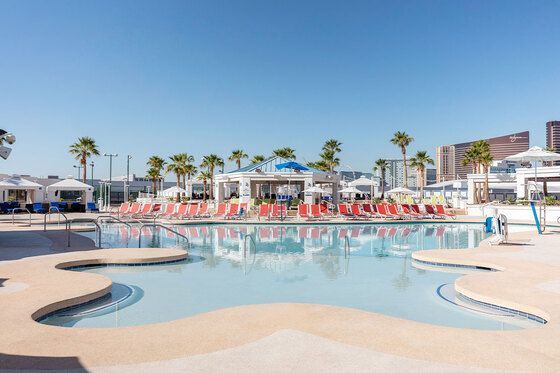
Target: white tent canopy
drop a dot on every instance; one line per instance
(21, 190)
(314, 189)
(350, 189)
(363, 181)
(535, 153)
(172, 192)
(58, 191)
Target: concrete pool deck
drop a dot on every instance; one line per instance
(279, 337)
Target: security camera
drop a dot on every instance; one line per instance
(5, 152)
(10, 138)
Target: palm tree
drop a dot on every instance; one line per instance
(204, 176)
(286, 152)
(157, 163)
(154, 175)
(257, 159)
(320, 165)
(486, 161)
(190, 171)
(82, 149)
(211, 161)
(187, 160)
(402, 140)
(330, 149)
(177, 166)
(419, 162)
(381, 165)
(237, 156)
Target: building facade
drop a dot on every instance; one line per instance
(394, 175)
(553, 135)
(449, 158)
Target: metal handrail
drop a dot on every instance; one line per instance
(164, 227)
(84, 220)
(59, 213)
(346, 247)
(20, 209)
(111, 217)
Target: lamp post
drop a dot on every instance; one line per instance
(79, 169)
(110, 175)
(127, 185)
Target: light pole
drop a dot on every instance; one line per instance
(110, 175)
(128, 158)
(79, 169)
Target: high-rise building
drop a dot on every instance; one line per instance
(553, 135)
(395, 174)
(449, 158)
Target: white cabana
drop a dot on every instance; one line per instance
(350, 190)
(21, 190)
(364, 181)
(172, 192)
(70, 189)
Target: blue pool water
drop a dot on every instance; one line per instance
(301, 264)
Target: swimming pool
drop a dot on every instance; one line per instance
(367, 267)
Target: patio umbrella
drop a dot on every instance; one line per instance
(291, 165)
(364, 181)
(534, 154)
(400, 190)
(314, 189)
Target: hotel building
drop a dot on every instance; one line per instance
(553, 135)
(449, 158)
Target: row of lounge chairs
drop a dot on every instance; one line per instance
(136, 210)
(369, 211)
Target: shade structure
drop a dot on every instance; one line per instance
(292, 165)
(314, 189)
(350, 189)
(69, 184)
(535, 154)
(33, 192)
(400, 190)
(172, 192)
(362, 181)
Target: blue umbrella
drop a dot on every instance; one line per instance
(291, 165)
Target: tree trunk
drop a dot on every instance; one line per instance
(204, 190)
(238, 164)
(84, 170)
(382, 184)
(405, 168)
(486, 185)
(178, 186)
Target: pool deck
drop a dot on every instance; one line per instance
(273, 337)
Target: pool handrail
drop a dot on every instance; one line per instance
(49, 214)
(111, 217)
(84, 220)
(20, 209)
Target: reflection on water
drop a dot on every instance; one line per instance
(299, 264)
(279, 248)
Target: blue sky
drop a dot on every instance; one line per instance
(163, 77)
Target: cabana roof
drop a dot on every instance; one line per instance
(69, 184)
(269, 165)
(16, 182)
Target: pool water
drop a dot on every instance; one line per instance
(371, 270)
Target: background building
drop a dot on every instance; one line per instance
(449, 158)
(553, 135)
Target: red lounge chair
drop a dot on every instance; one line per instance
(303, 211)
(264, 211)
(192, 211)
(344, 212)
(382, 211)
(441, 211)
(416, 209)
(279, 211)
(202, 211)
(433, 213)
(315, 211)
(357, 212)
(369, 210)
(221, 211)
(409, 211)
(233, 212)
(325, 210)
(167, 212)
(145, 211)
(123, 209)
(181, 212)
(393, 210)
(134, 209)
